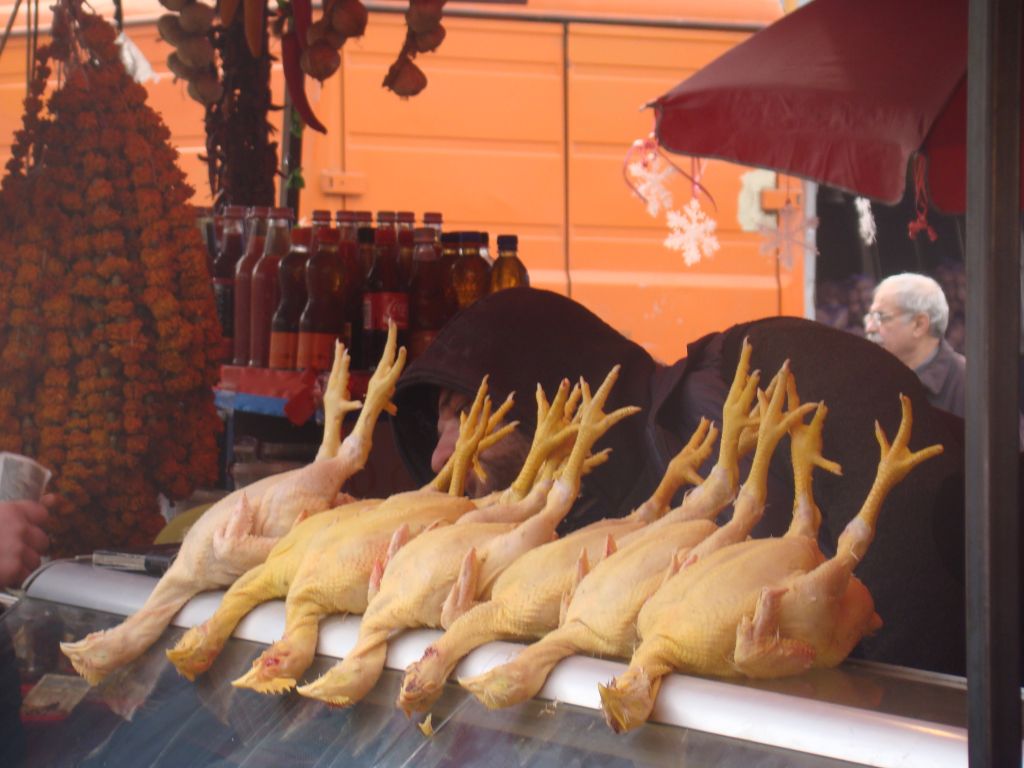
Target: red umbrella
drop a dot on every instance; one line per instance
(843, 92)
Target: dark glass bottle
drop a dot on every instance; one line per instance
(322, 322)
(384, 298)
(449, 255)
(291, 275)
(231, 244)
(256, 233)
(265, 286)
(428, 310)
(406, 222)
(508, 271)
(470, 275)
(355, 277)
(364, 242)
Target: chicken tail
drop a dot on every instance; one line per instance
(424, 679)
(196, 651)
(100, 653)
(278, 668)
(523, 677)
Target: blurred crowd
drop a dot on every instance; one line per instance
(843, 303)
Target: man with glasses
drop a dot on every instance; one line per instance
(908, 317)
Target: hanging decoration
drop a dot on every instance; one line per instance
(692, 233)
(108, 336)
(865, 221)
(789, 235)
(646, 170)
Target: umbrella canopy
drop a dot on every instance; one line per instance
(842, 92)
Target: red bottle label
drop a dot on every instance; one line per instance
(379, 308)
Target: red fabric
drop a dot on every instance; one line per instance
(839, 91)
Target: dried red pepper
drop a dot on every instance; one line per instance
(295, 79)
(302, 17)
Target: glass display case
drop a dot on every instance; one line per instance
(147, 715)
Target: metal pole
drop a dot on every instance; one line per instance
(993, 331)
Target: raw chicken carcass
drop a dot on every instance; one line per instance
(442, 573)
(601, 616)
(763, 607)
(528, 598)
(239, 531)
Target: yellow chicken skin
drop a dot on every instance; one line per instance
(765, 607)
(527, 599)
(601, 616)
(238, 532)
(339, 571)
(442, 573)
(200, 646)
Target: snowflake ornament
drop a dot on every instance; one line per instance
(692, 233)
(647, 178)
(788, 235)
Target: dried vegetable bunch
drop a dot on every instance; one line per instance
(107, 327)
(308, 47)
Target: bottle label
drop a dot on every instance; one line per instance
(284, 348)
(316, 350)
(379, 308)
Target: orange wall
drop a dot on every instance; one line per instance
(523, 128)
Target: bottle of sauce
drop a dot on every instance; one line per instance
(433, 220)
(322, 322)
(256, 233)
(470, 274)
(230, 246)
(321, 221)
(284, 327)
(355, 277)
(266, 292)
(385, 299)
(406, 221)
(428, 311)
(508, 271)
(449, 255)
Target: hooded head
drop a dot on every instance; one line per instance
(522, 337)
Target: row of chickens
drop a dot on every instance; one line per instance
(667, 587)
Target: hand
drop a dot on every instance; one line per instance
(23, 539)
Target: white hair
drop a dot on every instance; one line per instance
(915, 294)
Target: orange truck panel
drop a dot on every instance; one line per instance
(523, 128)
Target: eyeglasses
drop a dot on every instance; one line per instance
(880, 318)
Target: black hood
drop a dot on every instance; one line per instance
(522, 337)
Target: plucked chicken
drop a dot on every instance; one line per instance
(443, 573)
(601, 616)
(528, 598)
(239, 531)
(764, 607)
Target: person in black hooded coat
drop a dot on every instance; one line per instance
(915, 567)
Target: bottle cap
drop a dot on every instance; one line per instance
(321, 215)
(234, 212)
(345, 217)
(424, 235)
(508, 242)
(450, 238)
(258, 211)
(406, 217)
(432, 218)
(384, 236)
(469, 238)
(328, 237)
(282, 213)
(302, 236)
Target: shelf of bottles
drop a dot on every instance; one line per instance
(286, 292)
